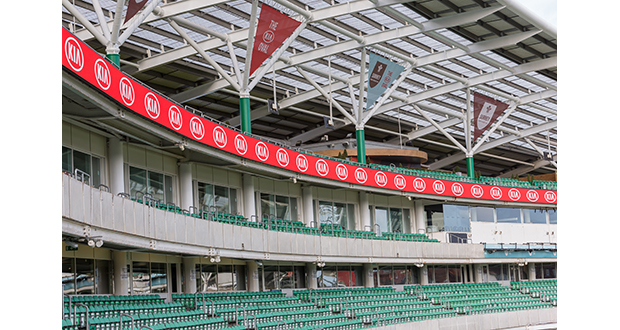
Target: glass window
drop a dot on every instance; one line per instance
(282, 207)
(329, 277)
(68, 276)
(385, 275)
(396, 220)
(454, 274)
(206, 278)
(137, 181)
(96, 175)
(340, 214)
(226, 280)
(271, 277)
(326, 212)
(205, 196)
(141, 278)
(287, 281)
(381, 218)
(508, 215)
(293, 208)
(85, 276)
(441, 274)
(221, 198)
(549, 270)
(434, 218)
(156, 185)
(495, 272)
(401, 275)
(168, 186)
(159, 281)
(81, 161)
(66, 160)
(233, 201)
(539, 272)
(553, 217)
(356, 275)
(456, 218)
(414, 273)
(482, 214)
(344, 276)
(534, 216)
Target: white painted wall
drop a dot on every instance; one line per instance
(519, 233)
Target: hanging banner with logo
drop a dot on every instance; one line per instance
(272, 29)
(486, 110)
(133, 7)
(382, 72)
(83, 62)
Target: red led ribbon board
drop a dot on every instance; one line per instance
(83, 61)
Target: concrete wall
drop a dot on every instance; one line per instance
(128, 222)
(513, 232)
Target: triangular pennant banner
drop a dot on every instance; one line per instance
(134, 7)
(486, 110)
(272, 29)
(381, 74)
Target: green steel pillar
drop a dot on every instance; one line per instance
(470, 167)
(115, 58)
(244, 109)
(361, 146)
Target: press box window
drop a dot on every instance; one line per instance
(280, 207)
(89, 165)
(223, 198)
(149, 182)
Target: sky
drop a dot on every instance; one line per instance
(546, 9)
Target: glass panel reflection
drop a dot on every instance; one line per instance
(141, 278)
(159, 282)
(85, 276)
(68, 276)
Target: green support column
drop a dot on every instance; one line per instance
(244, 108)
(470, 167)
(361, 146)
(115, 58)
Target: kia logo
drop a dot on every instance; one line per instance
(400, 182)
(342, 172)
(321, 167)
(126, 90)
(102, 74)
(261, 150)
(174, 116)
(550, 197)
(151, 104)
(282, 157)
(496, 193)
(457, 189)
(219, 137)
(302, 162)
(360, 175)
(74, 54)
(439, 187)
(381, 178)
(197, 128)
(240, 144)
(514, 194)
(532, 195)
(477, 191)
(419, 184)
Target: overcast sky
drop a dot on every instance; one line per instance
(546, 9)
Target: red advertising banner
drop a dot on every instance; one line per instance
(82, 61)
(272, 29)
(134, 7)
(486, 110)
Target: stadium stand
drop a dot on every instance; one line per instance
(197, 193)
